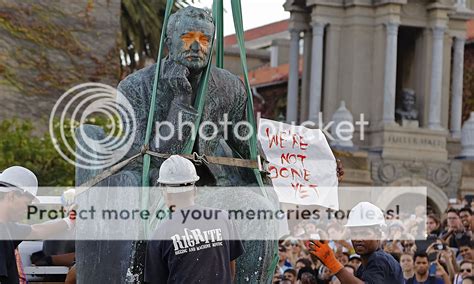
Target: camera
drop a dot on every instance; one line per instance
(440, 247)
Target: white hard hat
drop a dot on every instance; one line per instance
(354, 256)
(17, 177)
(365, 214)
(176, 171)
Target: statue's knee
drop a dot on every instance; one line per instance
(124, 178)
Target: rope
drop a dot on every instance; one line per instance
(194, 157)
(105, 174)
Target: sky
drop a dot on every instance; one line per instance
(256, 13)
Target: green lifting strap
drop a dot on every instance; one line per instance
(218, 12)
(199, 104)
(239, 32)
(149, 127)
(200, 100)
(202, 91)
(151, 112)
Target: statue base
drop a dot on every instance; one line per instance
(410, 123)
(406, 143)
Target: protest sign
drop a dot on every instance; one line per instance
(301, 165)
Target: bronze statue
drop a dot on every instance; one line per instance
(188, 38)
(407, 108)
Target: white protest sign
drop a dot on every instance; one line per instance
(301, 166)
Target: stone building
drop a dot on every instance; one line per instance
(47, 48)
(367, 53)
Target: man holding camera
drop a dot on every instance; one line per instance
(426, 272)
(456, 233)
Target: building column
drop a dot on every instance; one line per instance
(461, 4)
(331, 79)
(436, 83)
(457, 86)
(390, 73)
(305, 86)
(293, 77)
(317, 55)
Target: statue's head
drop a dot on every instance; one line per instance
(188, 37)
(408, 100)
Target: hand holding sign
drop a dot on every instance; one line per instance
(301, 164)
(340, 170)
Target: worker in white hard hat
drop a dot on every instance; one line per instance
(366, 226)
(189, 247)
(177, 179)
(18, 188)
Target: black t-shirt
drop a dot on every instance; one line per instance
(457, 239)
(430, 280)
(381, 268)
(193, 251)
(8, 268)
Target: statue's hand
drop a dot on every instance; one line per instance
(173, 69)
(174, 81)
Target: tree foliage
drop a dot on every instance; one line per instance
(20, 146)
(142, 21)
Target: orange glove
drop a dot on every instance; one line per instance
(324, 253)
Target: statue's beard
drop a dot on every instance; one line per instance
(194, 62)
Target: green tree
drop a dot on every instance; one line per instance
(18, 146)
(142, 21)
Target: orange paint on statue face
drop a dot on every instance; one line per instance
(192, 37)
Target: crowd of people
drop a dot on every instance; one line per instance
(446, 256)
(364, 250)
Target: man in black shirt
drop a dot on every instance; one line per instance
(8, 268)
(18, 187)
(187, 248)
(422, 273)
(366, 222)
(456, 233)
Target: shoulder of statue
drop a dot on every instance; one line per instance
(228, 85)
(223, 77)
(138, 79)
